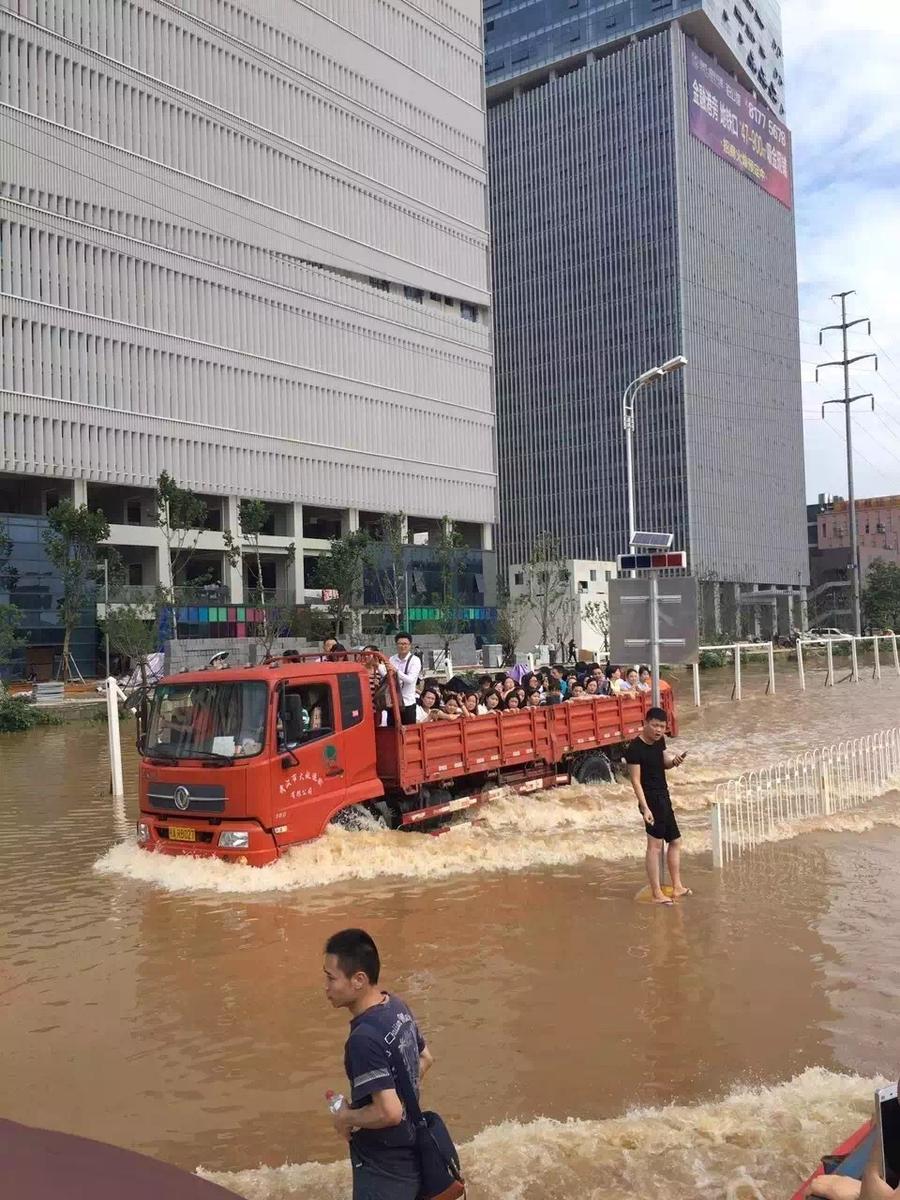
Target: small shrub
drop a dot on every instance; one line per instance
(711, 658)
(17, 715)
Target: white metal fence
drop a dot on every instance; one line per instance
(751, 809)
(855, 643)
(737, 692)
(802, 649)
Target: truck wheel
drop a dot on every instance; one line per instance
(359, 817)
(594, 768)
(428, 797)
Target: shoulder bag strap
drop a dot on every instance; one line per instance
(405, 1089)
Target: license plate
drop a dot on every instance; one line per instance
(178, 833)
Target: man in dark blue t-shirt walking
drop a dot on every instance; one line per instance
(384, 1039)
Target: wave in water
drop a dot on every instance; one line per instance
(512, 833)
(755, 1144)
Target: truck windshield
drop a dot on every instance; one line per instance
(207, 720)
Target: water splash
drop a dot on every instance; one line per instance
(511, 834)
(566, 827)
(755, 1144)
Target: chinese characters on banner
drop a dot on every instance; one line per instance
(725, 117)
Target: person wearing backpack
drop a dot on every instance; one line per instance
(385, 1058)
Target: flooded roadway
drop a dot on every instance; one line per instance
(586, 1045)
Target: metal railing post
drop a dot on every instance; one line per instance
(877, 672)
(829, 658)
(854, 670)
(716, 829)
(824, 788)
(117, 786)
(696, 667)
(737, 672)
(894, 651)
(800, 671)
(771, 669)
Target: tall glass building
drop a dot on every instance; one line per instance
(641, 208)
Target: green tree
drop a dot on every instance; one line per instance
(596, 613)
(449, 551)
(387, 561)
(511, 616)
(881, 595)
(133, 631)
(546, 583)
(341, 574)
(10, 615)
(274, 614)
(181, 516)
(72, 541)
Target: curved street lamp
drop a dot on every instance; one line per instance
(628, 399)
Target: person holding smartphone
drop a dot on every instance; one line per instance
(648, 760)
(881, 1175)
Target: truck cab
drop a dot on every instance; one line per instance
(240, 763)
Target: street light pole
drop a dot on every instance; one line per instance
(106, 610)
(628, 399)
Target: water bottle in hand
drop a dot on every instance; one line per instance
(335, 1101)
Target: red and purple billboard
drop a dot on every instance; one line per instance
(726, 118)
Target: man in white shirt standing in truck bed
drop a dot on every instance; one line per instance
(407, 667)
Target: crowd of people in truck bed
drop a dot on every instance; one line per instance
(505, 692)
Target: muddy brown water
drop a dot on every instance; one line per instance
(587, 1045)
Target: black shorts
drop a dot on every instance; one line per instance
(372, 1183)
(664, 826)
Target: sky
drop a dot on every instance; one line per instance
(842, 70)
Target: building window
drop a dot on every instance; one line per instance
(593, 576)
(519, 579)
(383, 285)
(435, 296)
(468, 312)
(135, 574)
(133, 512)
(412, 293)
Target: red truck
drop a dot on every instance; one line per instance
(242, 763)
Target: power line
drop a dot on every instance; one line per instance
(840, 437)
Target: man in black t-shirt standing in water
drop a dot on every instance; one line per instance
(384, 1039)
(648, 760)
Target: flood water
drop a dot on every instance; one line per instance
(586, 1044)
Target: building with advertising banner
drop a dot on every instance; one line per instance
(642, 208)
(246, 243)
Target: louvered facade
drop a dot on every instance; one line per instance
(620, 240)
(246, 243)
